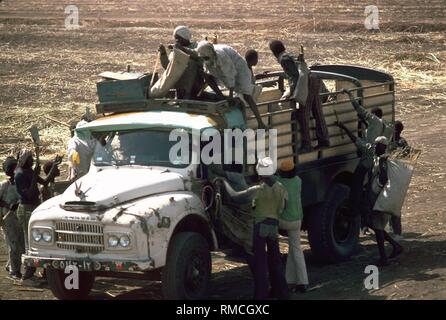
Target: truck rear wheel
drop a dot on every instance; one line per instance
(187, 272)
(56, 282)
(332, 232)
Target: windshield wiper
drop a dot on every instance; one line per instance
(120, 162)
(103, 163)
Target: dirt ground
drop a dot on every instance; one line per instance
(46, 70)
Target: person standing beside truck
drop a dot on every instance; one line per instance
(289, 63)
(291, 221)
(398, 144)
(79, 153)
(376, 127)
(365, 151)
(269, 198)
(225, 64)
(48, 191)
(376, 220)
(27, 180)
(9, 201)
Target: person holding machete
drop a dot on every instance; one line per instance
(26, 179)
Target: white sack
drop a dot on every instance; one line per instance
(391, 197)
(178, 61)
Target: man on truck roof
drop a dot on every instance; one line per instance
(252, 58)
(191, 81)
(225, 64)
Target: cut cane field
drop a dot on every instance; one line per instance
(48, 72)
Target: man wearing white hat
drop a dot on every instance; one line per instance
(191, 81)
(269, 200)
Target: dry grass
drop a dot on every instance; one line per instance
(48, 70)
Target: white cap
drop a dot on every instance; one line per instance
(266, 167)
(182, 32)
(383, 140)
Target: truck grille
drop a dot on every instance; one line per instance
(80, 236)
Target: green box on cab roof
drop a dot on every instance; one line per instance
(122, 86)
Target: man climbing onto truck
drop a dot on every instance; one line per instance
(376, 127)
(376, 155)
(289, 63)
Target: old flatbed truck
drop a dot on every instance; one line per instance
(143, 216)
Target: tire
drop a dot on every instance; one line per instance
(187, 272)
(332, 233)
(56, 282)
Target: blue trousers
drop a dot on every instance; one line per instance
(267, 261)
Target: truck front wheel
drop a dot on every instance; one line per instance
(56, 281)
(187, 272)
(332, 232)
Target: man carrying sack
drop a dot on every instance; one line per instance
(183, 69)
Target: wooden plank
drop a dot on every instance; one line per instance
(336, 151)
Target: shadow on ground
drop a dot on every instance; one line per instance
(418, 263)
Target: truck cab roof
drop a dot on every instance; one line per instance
(151, 119)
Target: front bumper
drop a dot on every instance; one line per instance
(88, 264)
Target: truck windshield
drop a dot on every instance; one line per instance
(135, 147)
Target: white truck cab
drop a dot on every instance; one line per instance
(132, 212)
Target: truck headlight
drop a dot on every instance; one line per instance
(47, 236)
(42, 235)
(118, 240)
(113, 241)
(124, 241)
(37, 235)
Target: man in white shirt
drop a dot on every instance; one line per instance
(79, 154)
(227, 66)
